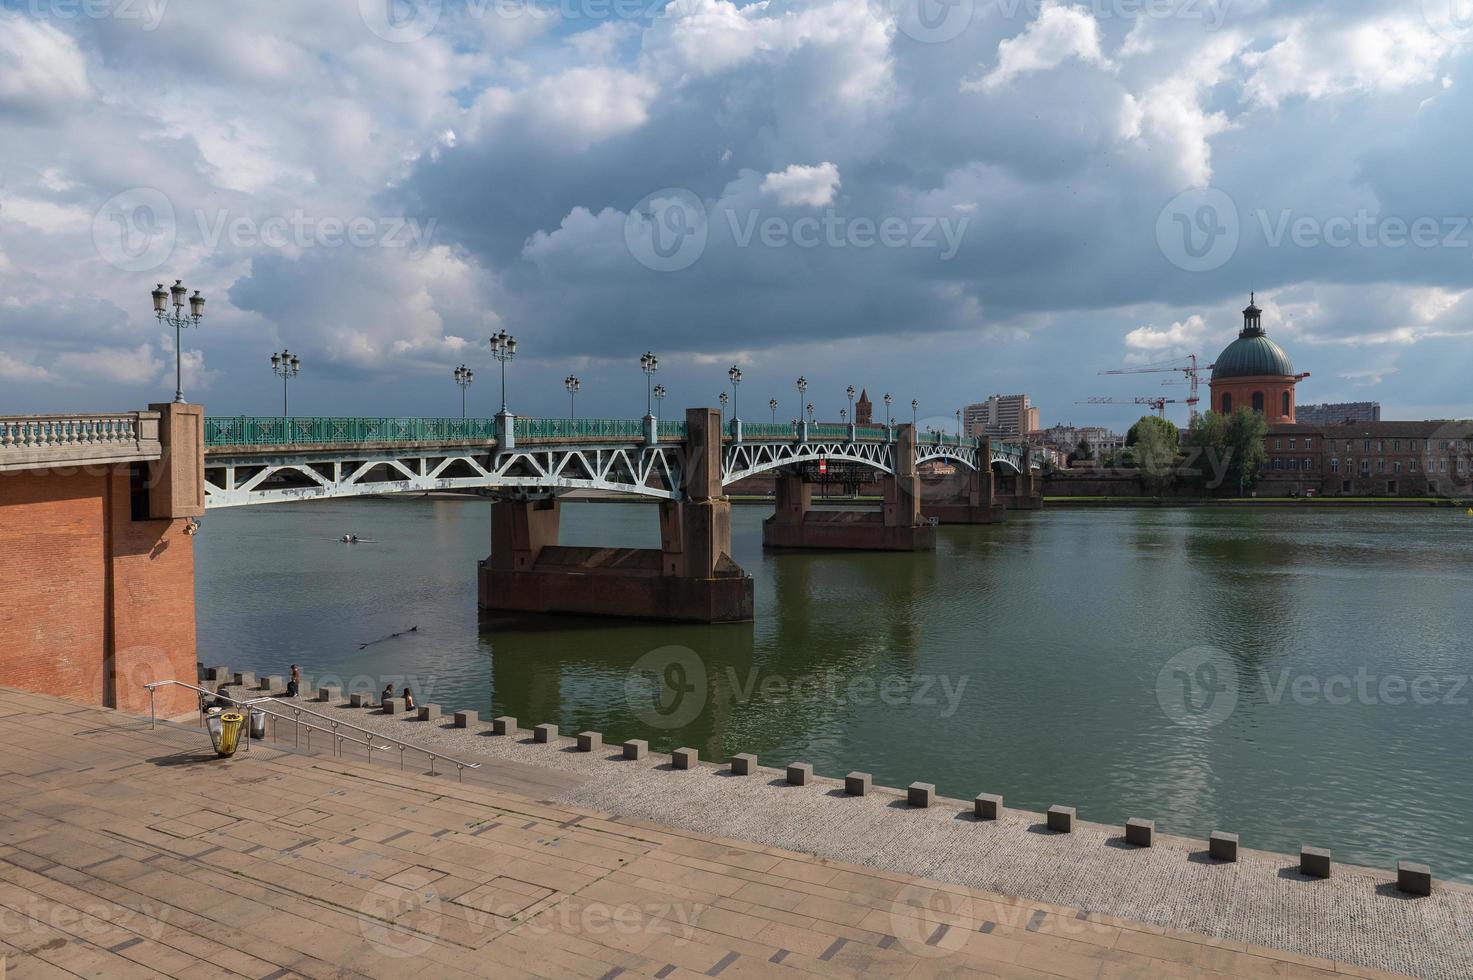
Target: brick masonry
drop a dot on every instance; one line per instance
(94, 604)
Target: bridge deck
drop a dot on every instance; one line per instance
(128, 853)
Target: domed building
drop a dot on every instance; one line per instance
(1254, 372)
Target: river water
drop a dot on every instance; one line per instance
(1295, 677)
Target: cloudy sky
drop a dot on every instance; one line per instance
(938, 198)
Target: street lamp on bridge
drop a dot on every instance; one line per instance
(503, 348)
(660, 399)
(843, 415)
(649, 364)
(178, 320)
(464, 377)
(285, 366)
(810, 413)
(735, 374)
(850, 392)
(772, 404)
(802, 390)
(913, 406)
(723, 400)
(888, 400)
(958, 423)
(572, 383)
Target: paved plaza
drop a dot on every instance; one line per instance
(130, 852)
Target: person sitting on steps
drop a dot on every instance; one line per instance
(408, 700)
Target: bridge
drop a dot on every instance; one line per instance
(250, 460)
(100, 512)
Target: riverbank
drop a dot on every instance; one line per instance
(1277, 503)
(1357, 916)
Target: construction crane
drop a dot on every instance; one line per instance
(1157, 404)
(1193, 375)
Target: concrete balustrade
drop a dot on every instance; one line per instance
(505, 725)
(1222, 846)
(743, 763)
(685, 758)
(800, 774)
(1141, 833)
(1414, 879)
(636, 748)
(1314, 862)
(858, 783)
(429, 712)
(465, 718)
(544, 733)
(987, 806)
(590, 741)
(920, 794)
(1061, 819)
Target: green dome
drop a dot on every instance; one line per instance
(1252, 356)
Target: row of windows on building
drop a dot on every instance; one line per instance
(1307, 464)
(1412, 445)
(1227, 403)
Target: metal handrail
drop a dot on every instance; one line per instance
(333, 723)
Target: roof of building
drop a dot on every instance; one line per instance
(1253, 354)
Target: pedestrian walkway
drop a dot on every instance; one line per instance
(129, 852)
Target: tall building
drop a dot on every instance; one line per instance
(864, 409)
(1254, 372)
(1004, 416)
(1338, 413)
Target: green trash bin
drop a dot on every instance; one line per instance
(225, 730)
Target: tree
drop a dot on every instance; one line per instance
(1228, 450)
(1154, 447)
(1149, 422)
(1084, 451)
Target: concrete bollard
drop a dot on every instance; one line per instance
(800, 774)
(685, 758)
(544, 733)
(1222, 846)
(216, 674)
(328, 695)
(987, 806)
(1141, 833)
(1314, 862)
(590, 741)
(360, 700)
(743, 763)
(274, 682)
(636, 748)
(858, 783)
(1061, 819)
(465, 718)
(245, 678)
(393, 706)
(920, 794)
(429, 712)
(505, 725)
(1414, 879)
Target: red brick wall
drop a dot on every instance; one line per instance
(81, 582)
(1243, 389)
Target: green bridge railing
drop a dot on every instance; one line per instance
(276, 431)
